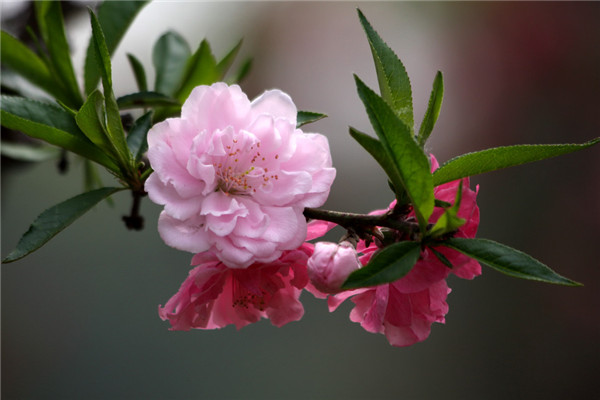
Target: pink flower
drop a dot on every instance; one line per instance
(331, 264)
(405, 309)
(214, 296)
(234, 176)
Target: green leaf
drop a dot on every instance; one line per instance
(449, 221)
(50, 22)
(91, 119)
(138, 72)
(399, 143)
(501, 157)
(242, 72)
(307, 117)
(51, 124)
(28, 152)
(387, 265)
(26, 63)
(391, 75)
(201, 69)
(114, 17)
(55, 219)
(507, 260)
(136, 140)
(145, 99)
(169, 56)
(224, 65)
(433, 109)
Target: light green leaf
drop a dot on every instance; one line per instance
(49, 223)
(29, 152)
(242, 72)
(399, 143)
(201, 69)
(224, 65)
(433, 109)
(51, 124)
(449, 221)
(114, 17)
(139, 72)
(387, 265)
(136, 140)
(391, 75)
(91, 119)
(145, 99)
(50, 22)
(507, 260)
(501, 157)
(307, 117)
(169, 56)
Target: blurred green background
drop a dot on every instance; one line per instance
(79, 316)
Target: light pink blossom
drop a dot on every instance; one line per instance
(405, 309)
(234, 176)
(331, 264)
(214, 296)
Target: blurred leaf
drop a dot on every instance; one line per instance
(507, 260)
(145, 99)
(29, 152)
(136, 140)
(55, 219)
(391, 75)
(387, 265)
(138, 72)
(115, 17)
(51, 124)
(50, 22)
(170, 54)
(433, 109)
(449, 221)
(26, 63)
(201, 69)
(399, 143)
(501, 157)
(242, 72)
(224, 65)
(307, 117)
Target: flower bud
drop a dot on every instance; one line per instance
(331, 264)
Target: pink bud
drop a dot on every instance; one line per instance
(330, 265)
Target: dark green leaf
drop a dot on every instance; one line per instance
(169, 56)
(507, 260)
(91, 119)
(28, 152)
(391, 74)
(224, 65)
(399, 143)
(115, 18)
(201, 69)
(51, 124)
(501, 157)
(50, 22)
(433, 109)
(138, 72)
(55, 219)
(136, 140)
(146, 99)
(387, 265)
(307, 117)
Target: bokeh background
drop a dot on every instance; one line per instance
(79, 316)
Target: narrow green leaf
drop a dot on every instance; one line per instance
(91, 119)
(501, 157)
(51, 124)
(101, 54)
(399, 143)
(49, 223)
(50, 21)
(139, 72)
(169, 56)
(201, 69)
(28, 152)
(136, 140)
(114, 17)
(433, 109)
(307, 117)
(22, 60)
(391, 74)
(387, 265)
(507, 260)
(146, 99)
(224, 65)
(449, 221)
(242, 72)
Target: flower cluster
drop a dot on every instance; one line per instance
(234, 177)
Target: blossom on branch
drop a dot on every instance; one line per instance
(234, 176)
(331, 264)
